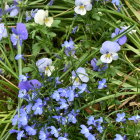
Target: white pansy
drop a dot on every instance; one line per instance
(82, 6)
(45, 65)
(41, 17)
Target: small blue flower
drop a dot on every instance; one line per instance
(63, 104)
(72, 118)
(54, 131)
(38, 107)
(101, 67)
(42, 135)
(22, 93)
(30, 130)
(120, 117)
(20, 135)
(119, 137)
(116, 2)
(102, 84)
(85, 130)
(51, 2)
(74, 29)
(69, 47)
(23, 78)
(15, 120)
(122, 40)
(56, 96)
(62, 138)
(19, 56)
(136, 118)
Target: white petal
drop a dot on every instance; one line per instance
(49, 21)
(40, 16)
(114, 56)
(88, 7)
(106, 60)
(80, 11)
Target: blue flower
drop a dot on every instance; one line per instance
(120, 117)
(22, 93)
(122, 40)
(101, 67)
(19, 56)
(85, 130)
(116, 2)
(63, 104)
(91, 120)
(119, 137)
(23, 119)
(3, 31)
(74, 29)
(56, 96)
(31, 15)
(38, 107)
(109, 51)
(69, 47)
(136, 118)
(51, 2)
(54, 131)
(20, 135)
(30, 130)
(19, 34)
(102, 84)
(15, 120)
(23, 78)
(82, 88)
(72, 118)
(62, 138)
(42, 135)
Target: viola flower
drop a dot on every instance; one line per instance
(101, 67)
(116, 2)
(120, 117)
(122, 40)
(102, 84)
(19, 34)
(119, 137)
(45, 65)
(3, 31)
(109, 51)
(69, 47)
(82, 6)
(41, 17)
(79, 75)
(136, 118)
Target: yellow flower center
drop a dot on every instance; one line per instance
(108, 55)
(46, 20)
(82, 7)
(47, 68)
(77, 79)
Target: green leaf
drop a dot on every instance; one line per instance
(27, 69)
(56, 23)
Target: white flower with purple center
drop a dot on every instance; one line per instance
(79, 76)
(109, 51)
(41, 17)
(45, 65)
(82, 6)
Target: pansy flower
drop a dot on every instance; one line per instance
(82, 6)
(109, 51)
(41, 17)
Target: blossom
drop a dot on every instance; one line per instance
(109, 51)
(45, 65)
(56, 96)
(30, 15)
(69, 47)
(20, 135)
(101, 67)
(119, 137)
(116, 2)
(19, 34)
(22, 78)
(79, 75)
(30, 130)
(22, 93)
(19, 56)
(136, 118)
(54, 131)
(41, 17)
(42, 135)
(122, 40)
(3, 31)
(120, 117)
(102, 84)
(82, 6)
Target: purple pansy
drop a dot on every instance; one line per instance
(122, 40)
(19, 34)
(109, 51)
(69, 47)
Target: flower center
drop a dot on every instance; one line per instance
(47, 68)
(82, 7)
(108, 55)
(77, 79)
(46, 20)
